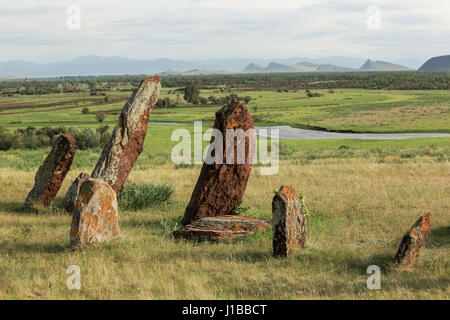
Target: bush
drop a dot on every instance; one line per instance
(100, 117)
(240, 210)
(137, 197)
(85, 110)
(89, 138)
(32, 138)
(6, 139)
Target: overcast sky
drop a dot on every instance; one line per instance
(37, 30)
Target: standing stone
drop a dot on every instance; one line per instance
(72, 193)
(51, 173)
(95, 216)
(413, 240)
(288, 222)
(127, 140)
(221, 186)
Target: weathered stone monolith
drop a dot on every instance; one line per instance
(51, 173)
(288, 222)
(72, 193)
(221, 185)
(127, 140)
(222, 228)
(413, 240)
(95, 216)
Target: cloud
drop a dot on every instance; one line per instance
(187, 29)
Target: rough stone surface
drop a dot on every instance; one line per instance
(127, 140)
(95, 217)
(220, 187)
(51, 173)
(288, 222)
(72, 193)
(413, 240)
(222, 228)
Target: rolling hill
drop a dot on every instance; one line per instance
(371, 65)
(441, 63)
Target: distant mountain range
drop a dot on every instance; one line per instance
(95, 65)
(303, 66)
(441, 63)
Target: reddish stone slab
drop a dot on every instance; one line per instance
(413, 240)
(222, 228)
(221, 186)
(127, 140)
(51, 173)
(288, 222)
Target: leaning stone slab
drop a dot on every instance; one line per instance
(221, 186)
(95, 216)
(288, 222)
(413, 240)
(127, 140)
(51, 173)
(72, 193)
(222, 228)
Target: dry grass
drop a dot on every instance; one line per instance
(360, 210)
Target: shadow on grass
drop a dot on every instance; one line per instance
(35, 248)
(439, 237)
(17, 208)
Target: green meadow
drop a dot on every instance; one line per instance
(358, 110)
(363, 195)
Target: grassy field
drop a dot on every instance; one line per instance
(362, 195)
(350, 109)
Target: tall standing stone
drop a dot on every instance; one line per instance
(127, 140)
(221, 186)
(51, 173)
(95, 216)
(413, 240)
(288, 222)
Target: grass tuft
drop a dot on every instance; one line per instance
(136, 197)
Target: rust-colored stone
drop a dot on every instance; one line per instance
(221, 186)
(51, 173)
(95, 216)
(222, 228)
(288, 222)
(72, 193)
(413, 240)
(127, 140)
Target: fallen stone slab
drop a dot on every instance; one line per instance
(413, 240)
(288, 222)
(72, 193)
(221, 186)
(127, 140)
(95, 217)
(222, 228)
(51, 173)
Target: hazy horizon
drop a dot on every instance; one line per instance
(46, 31)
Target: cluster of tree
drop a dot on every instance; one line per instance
(302, 81)
(224, 83)
(32, 138)
(67, 85)
(228, 99)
